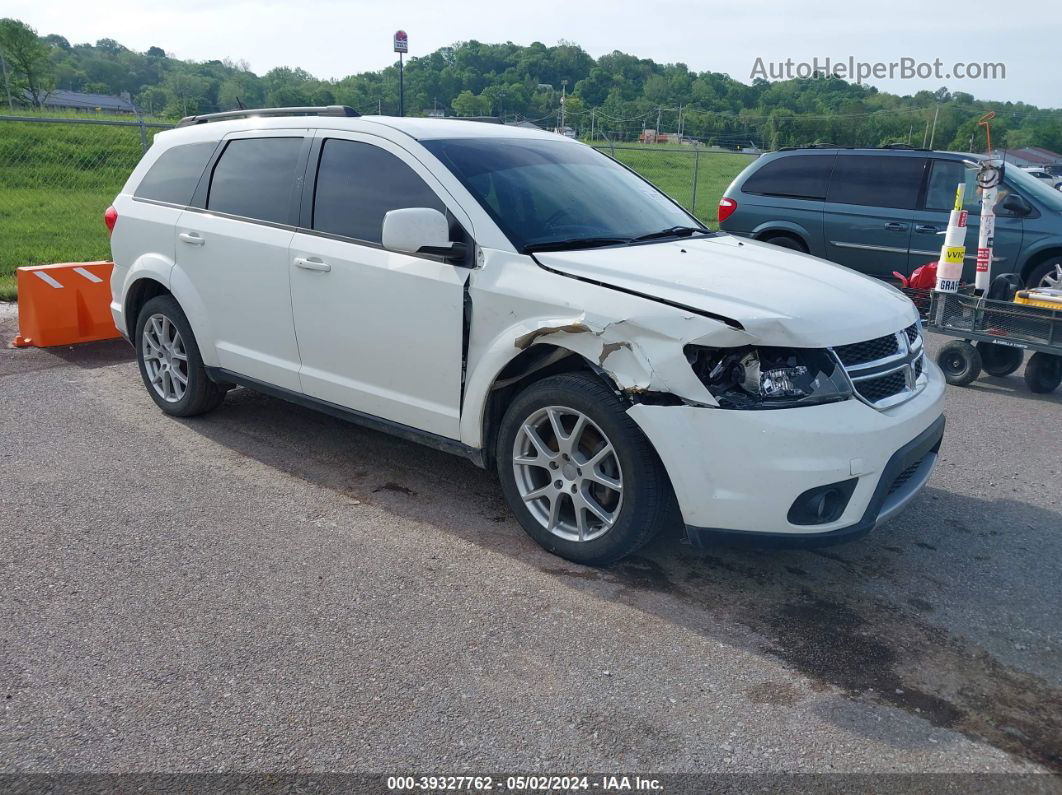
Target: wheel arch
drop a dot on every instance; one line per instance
(1038, 257)
(783, 229)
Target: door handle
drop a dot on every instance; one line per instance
(191, 238)
(894, 226)
(312, 264)
(926, 229)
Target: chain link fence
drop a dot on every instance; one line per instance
(58, 175)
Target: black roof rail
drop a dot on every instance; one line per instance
(323, 110)
(905, 146)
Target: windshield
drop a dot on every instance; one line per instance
(556, 192)
(1033, 188)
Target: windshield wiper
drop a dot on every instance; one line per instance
(671, 231)
(575, 243)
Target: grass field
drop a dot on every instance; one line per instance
(56, 180)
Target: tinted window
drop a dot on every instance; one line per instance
(357, 184)
(802, 176)
(944, 175)
(551, 191)
(254, 178)
(176, 173)
(876, 181)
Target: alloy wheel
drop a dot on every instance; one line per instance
(165, 358)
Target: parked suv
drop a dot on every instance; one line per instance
(517, 298)
(883, 210)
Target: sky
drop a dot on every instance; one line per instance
(334, 38)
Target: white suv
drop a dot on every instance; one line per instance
(518, 298)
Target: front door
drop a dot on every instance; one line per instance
(379, 331)
(931, 220)
(868, 213)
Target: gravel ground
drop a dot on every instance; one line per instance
(268, 588)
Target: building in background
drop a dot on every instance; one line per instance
(88, 103)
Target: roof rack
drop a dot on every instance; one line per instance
(323, 110)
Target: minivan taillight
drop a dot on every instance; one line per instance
(110, 218)
(726, 208)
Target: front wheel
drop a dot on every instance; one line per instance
(1046, 274)
(960, 362)
(579, 474)
(1043, 373)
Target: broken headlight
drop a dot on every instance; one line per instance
(769, 378)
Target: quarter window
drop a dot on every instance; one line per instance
(174, 176)
(358, 183)
(876, 181)
(798, 176)
(255, 177)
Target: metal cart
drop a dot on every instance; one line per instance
(993, 336)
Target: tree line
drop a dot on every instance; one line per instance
(614, 97)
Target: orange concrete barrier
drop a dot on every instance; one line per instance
(64, 304)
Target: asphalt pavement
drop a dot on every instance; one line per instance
(269, 588)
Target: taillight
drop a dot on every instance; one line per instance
(110, 218)
(726, 208)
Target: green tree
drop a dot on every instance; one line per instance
(468, 104)
(27, 60)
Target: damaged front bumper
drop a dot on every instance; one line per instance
(737, 474)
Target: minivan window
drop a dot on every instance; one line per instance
(542, 191)
(358, 183)
(944, 175)
(797, 176)
(254, 178)
(174, 176)
(876, 181)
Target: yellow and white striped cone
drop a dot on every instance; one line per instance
(953, 252)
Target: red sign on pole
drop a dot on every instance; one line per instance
(401, 41)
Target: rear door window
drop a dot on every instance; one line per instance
(944, 176)
(358, 184)
(255, 177)
(174, 176)
(799, 176)
(877, 181)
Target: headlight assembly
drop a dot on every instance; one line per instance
(769, 378)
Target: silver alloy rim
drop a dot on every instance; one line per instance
(568, 474)
(1052, 278)
(165, 358)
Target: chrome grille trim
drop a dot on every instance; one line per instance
(909, 359)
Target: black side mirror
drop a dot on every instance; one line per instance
(1015, 204)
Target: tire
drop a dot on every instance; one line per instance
(1046, 274)
(960, 362)
(784, 241)
(642, 506)
(1043, 373)
(999, 360)
(161, 366)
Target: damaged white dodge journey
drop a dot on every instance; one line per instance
(520, 299)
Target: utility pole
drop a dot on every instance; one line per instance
(564, 96)
(657, 136)
(7, 84)
(925, 135)
(591, 125)
(933, 134)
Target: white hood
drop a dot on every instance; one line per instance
(780, 296)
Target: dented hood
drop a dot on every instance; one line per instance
(782, 297)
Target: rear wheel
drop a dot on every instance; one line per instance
(580, 476)
(1047, 274)
(960, 362)
(169, 360)
(1043, 373)
(784, 241)
(999, 360)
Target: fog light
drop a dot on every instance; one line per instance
(822, 504)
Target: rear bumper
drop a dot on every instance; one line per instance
(738, 473)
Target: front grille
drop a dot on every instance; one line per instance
(885, 370)
(904, 476)
(877, 389)
(869, 351)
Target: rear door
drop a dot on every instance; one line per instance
(233, 248)
(870, 204)
(931, 220)
(784, 194)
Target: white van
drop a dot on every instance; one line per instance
(521, 299)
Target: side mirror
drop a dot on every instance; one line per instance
(1014, 203)
(420, 230)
